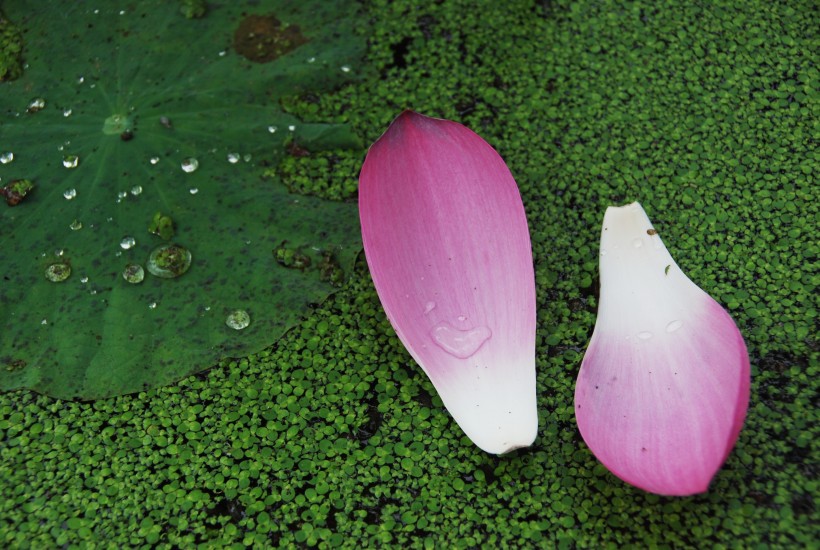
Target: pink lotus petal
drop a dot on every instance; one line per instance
(664, 386)
(446, 240)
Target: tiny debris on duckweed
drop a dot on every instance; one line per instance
(162, 225)
(16, 190)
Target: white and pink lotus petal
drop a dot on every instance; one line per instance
(446, 240)
(664, 386)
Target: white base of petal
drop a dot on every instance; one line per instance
(498, 415)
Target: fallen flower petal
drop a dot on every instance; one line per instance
(445, 236)
(664, 386)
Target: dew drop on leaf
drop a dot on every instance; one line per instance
(133, 273)
(36, 104)
(127, 242)
(238, 319)
(6, 158)
(71, 161)
(168, 261)
(189, 165)
(70, 193)
(58, 272)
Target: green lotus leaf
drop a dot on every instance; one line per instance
(127, 109)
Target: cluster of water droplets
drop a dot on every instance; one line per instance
(671, 326)
(36, 104)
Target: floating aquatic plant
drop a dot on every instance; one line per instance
(129, 109)
(446, 240)
(664, 385)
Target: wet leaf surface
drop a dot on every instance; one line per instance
(126, 110)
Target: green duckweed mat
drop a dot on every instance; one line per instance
(332, 437)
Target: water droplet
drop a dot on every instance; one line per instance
(272, 129)
(44, 322)
(292, 128)
(169, 261)
(345, 68)
(121, 195)
(133, 273)
(428, 307)
(6, 158)
(127, 242)
(193, 190)
(136, 190)
(674, 325)
(223, 53)
(645, 335)
(233, 158)
(189, 164)
(311, 59)
(36, 104)
(59, 252)
(66, 113)
(238, 319)
(637, 243)
(70, 194)
(80, 79)
(83, 280)
(58, 272)
(152, 305)
(154, 160)
(460, 343)
(76, 225)
(71, 161)
(247, 157)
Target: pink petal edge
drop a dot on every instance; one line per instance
(663, 389)
(446, 239)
